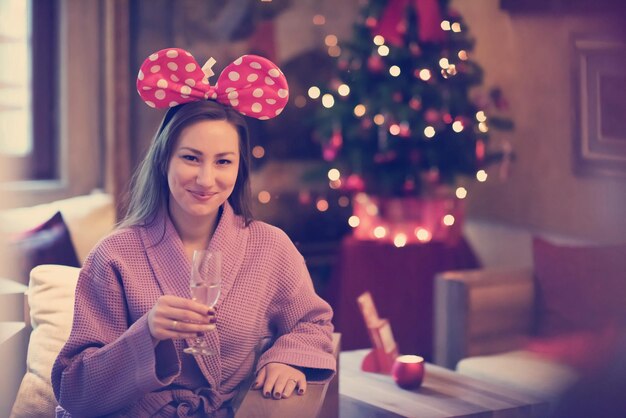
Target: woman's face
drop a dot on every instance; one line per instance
(203, 169)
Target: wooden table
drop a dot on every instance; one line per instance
(443, 394)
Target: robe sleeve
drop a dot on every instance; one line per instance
(302, 321)
(108, 363)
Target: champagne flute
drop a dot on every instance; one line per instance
(206, 277)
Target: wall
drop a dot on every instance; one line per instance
(528, 55)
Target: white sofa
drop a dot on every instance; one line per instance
(50, 294)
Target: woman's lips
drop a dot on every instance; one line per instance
(202, 196)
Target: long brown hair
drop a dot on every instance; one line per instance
(149, 191)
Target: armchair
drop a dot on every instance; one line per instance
(535, 328)
(481, 312)
(483, 320)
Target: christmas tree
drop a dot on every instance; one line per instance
(399, 119)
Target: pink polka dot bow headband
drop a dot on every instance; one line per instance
(252, 85)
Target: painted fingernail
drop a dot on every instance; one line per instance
(209, 312)
(276, 395)
(212, 320)
(266, 394)
(300, 391)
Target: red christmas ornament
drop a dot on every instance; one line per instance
(329, 153)
(304, 197)
(415, 104)
(405, 129)
(343, 64)
(409, 185)
(480, 150)
(415, 49)
(331, 148)
(355, 183)
(337, 139)
(447, 118)
(371, 22)
(432, 176)
(401, 27)
(431, 116)
(375, 64)
(366, 123)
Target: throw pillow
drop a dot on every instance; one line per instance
(51, 300)
(579, 288)
(48, 243)
(88, 219)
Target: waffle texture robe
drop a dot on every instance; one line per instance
(109, 365)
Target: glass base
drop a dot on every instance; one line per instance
(199, 351)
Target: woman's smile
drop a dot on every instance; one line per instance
(201, 195)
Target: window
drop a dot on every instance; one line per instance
(66, 158)
(28, 136)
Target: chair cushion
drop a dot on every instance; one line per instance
(579, 288)
(51, 299)
(521, 370)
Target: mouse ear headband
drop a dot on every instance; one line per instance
(252, 85)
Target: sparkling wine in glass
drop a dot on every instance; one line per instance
(206, 278)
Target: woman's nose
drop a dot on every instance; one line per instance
(206, 176)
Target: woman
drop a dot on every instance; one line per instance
(133, 313)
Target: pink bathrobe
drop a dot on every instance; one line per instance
(109, 364)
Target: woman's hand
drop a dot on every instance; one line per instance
(279, 380)
(175, 317)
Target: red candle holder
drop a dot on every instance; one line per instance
(408, 371)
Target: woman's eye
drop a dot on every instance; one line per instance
(223, 162)
(189, 157)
